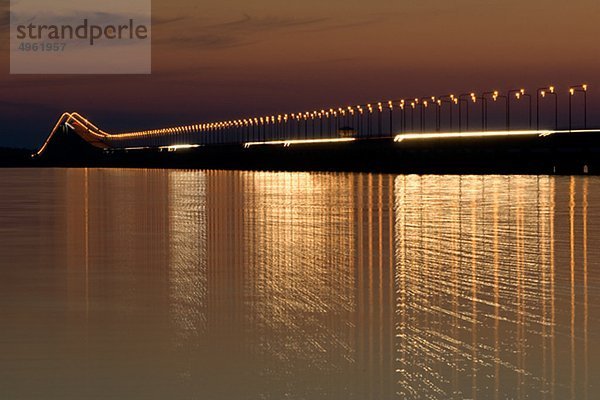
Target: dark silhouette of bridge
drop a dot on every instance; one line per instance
(451, 132)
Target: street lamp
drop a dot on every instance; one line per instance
(461, 99)
(359, 118)
(509, 95)
(369, 117)
(403, 115)
(519, 95)
(447, 98)
(424, 105)
(351, 119)
(497, 96)
(438, 112)
(484, 108)
(425, 101)
(412, 115)
(572, 90)
(391, 108)
(418, 103)
(379, 119)
(332, 121)
(543, 92)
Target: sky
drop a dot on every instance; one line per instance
(240, 58)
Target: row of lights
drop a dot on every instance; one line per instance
(370, 109)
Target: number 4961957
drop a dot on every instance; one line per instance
(24, 46)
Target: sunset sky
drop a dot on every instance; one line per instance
(237, 58)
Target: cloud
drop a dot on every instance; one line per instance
(207, 41)
(26, 107)
(242, 31)
(4, 15)
(158, 21)
(269, 23)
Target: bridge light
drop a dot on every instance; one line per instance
(551, 88)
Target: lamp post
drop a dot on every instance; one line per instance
(483, 105)
(542, 93)
(434, 102)
(581, 89)
(424, 106)
(403, 115)
(413, 105)
(461, 99)
(509, 95)
(359, 118)
(519, 95)
(379, 119)
(332, 121)
(447, 98)
(484, 109)
(417, 103)
(391, 109)
(305, 117)
(351, 119)
(425, 101)
(498, 96)
(369, 116)
(438, 114)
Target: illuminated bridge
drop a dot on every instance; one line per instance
(483, 132)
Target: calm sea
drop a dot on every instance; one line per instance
(161, 284)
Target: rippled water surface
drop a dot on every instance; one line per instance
(135, 284)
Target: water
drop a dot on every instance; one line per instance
(153, 284)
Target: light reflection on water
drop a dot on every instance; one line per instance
(256, 285)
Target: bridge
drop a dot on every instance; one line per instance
(387, 125)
